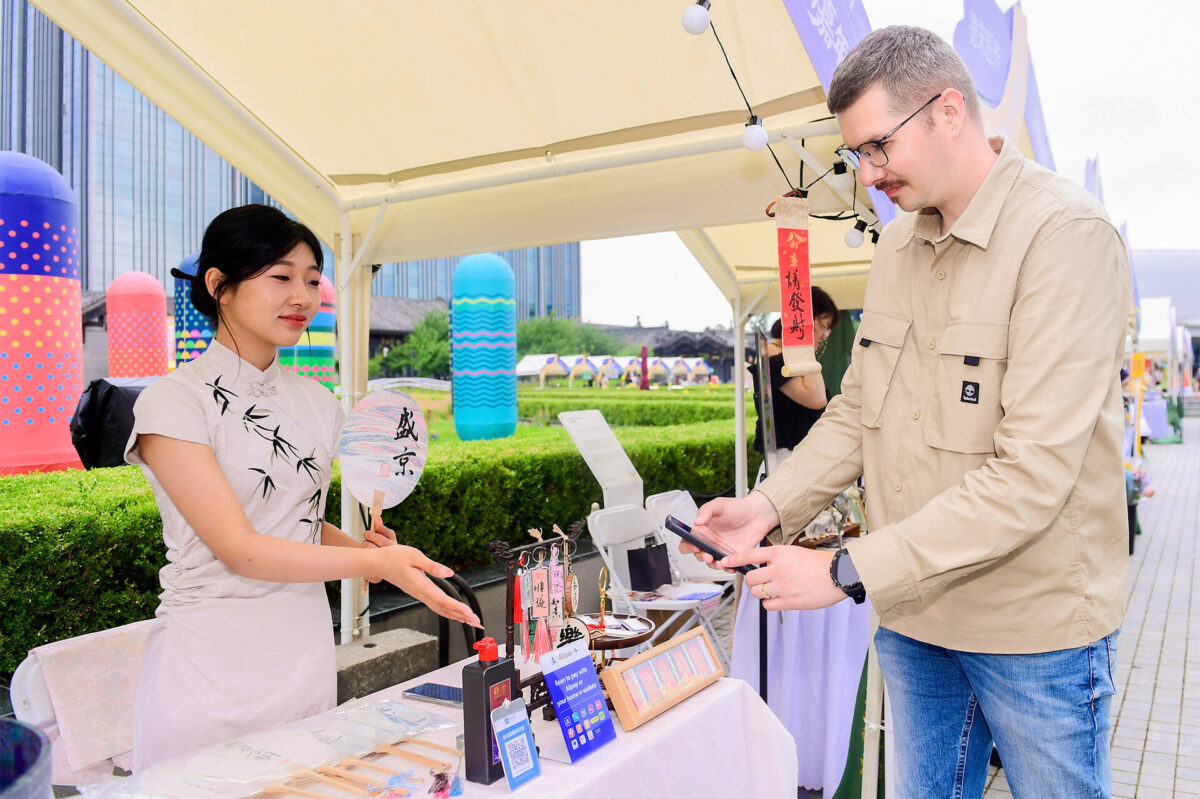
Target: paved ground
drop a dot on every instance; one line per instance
(1156, 738)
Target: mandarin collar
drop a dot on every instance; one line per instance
(240, 370)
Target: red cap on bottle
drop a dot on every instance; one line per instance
(487, 649)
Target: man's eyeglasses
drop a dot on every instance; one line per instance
(872, 152)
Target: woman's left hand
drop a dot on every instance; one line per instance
(789, 578)
(381, 536)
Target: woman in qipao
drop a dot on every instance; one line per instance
(238, 452)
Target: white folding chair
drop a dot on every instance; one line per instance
(679, 503)
(617, 530)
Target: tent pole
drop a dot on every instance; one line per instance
(739, 400)
(352, 315)
(561, 166)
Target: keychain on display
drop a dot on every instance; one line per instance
(571, 593)
(396, 786)
(557, 594)
(518, 610)
(541, 608)
(526, 606)
(603, 593)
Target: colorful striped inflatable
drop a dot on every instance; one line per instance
(483, 348)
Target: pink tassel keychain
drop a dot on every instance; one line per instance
(541, 609)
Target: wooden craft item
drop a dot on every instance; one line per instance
(288, 790)
(334, 782)
(428, 762)
(358, 761)
(571, 589)
(795, 287)
(557, 593)
(450, 750)
(653, 682)
(344, 773)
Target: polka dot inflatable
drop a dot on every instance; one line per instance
(136, 307)
(41, 341)
(192, 331)
(315, 354)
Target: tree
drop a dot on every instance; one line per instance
(426, 351)
(551, 334)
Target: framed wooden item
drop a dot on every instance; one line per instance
(660, 678)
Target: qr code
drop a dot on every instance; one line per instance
(518, 755)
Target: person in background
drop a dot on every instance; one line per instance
(797, 401)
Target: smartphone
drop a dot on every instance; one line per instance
(432, 692)
(685, 532)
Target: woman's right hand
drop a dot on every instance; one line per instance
(409, 569)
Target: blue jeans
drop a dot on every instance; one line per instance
(1047, 713)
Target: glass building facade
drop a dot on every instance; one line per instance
(547, 280)
(147, 187)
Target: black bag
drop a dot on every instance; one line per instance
(649, 567)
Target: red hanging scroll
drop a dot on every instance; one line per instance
(795, 287)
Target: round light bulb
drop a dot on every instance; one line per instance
(854, 236)
(696, 18)
(841, 179)
(754, 137)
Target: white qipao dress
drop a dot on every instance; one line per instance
(229, 655)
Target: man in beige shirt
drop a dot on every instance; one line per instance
(983, 408)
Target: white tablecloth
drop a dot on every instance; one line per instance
(815, 660)
(721, 742)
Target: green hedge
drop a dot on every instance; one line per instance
(628, 412)
(80, 551)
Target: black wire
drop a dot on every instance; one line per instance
(731, 72)
(738, 83)
(782, 171)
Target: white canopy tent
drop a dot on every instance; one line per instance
(400, 129)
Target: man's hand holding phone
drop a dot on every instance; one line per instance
(734, 525)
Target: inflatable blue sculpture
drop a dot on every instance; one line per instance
(483, 348)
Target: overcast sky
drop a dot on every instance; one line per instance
(1118, 81)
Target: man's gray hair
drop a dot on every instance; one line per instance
(912, 64)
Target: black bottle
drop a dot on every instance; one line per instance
(487, 683)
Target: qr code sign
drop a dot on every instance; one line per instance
(517, 750)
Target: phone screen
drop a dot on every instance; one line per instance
(446, 694)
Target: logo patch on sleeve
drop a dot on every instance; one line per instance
(970, 392)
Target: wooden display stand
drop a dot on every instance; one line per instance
(648, 684)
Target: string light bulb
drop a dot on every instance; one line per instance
(841, 179)
(754, 136)
(874, 236)
(856, 234)
(696, 17)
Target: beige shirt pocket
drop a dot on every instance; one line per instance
(965, 407)
(880, 339)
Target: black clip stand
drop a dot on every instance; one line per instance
(507, 554)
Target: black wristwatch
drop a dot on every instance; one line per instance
(845, 576)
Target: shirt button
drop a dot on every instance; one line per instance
(932, 344)
(899, 485)
(916, 414)
(941, 274)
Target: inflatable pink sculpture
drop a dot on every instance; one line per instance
(136, 307)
